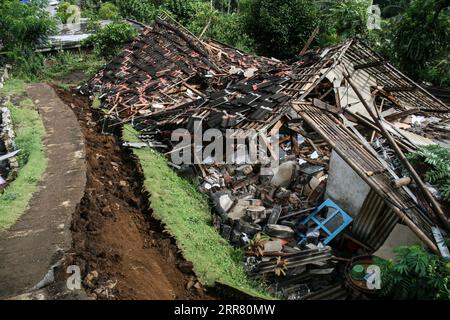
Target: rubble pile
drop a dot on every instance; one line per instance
(331, 182)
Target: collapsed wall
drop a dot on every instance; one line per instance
(301, 115)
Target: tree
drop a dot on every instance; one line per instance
(280, 28)
(108, 11)
(109, 41)
(421, 36)
(24, 26)
(141, 10)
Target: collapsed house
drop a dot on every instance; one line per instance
(335, 121)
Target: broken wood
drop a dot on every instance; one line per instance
(420, 184)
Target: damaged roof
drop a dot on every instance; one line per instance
(168, 77)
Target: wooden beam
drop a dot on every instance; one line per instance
(401, 114)
(399, 89)
(369, 64)
(419, 182)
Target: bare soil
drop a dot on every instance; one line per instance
(114, 234)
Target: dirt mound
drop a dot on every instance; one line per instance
(121, 250)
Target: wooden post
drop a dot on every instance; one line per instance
(432, 201)
(403, 217)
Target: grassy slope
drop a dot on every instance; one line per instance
(29, 131)
(187, 217)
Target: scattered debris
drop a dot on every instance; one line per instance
(278, 207)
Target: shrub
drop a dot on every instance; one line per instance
(27, 63)
(140, 10)
(108, 11)
(349, 17)
(24, 25)
(183, 10)
(438, 72)
(281, 28)
(109, 41)
(62, 13)
(226, 28)
(437, 162)
(415, 274)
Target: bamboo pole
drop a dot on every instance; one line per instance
(432, 201)
(403, 217)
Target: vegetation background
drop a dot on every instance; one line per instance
(413, 34)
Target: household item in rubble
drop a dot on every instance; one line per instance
(279, 231)
(352, 281)
(274, 215)
(335, 222)
(248, 228)
(358, 272)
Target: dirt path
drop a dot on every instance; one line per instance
(113, 232)
(41, 235)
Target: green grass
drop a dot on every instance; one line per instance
(29, 131)
(57, 67)
(64, 63)
(187, 217)
(13, 86)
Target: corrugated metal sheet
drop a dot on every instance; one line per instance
(375, 222)
(351, 149)
(335, 292)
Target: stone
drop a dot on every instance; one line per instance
(273, 246)
(284, 174)
(185, 266)
(279, 231)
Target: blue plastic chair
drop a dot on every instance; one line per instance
(321, 224)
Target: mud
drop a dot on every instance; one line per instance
(122, 251)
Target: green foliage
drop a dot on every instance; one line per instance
(27, 63)
(187, 217)
(280, 28)
(226, 28)
(62, 12)
(109, 41)
(415, 274)
(437, 162)
(61, 64)
(421, 35)
(108, 11)
(438, 71)
(140, 10)
(348, 18)
(183, 10)
(392, 8)
(30, 133)
(24, 26)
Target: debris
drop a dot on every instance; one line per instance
(273, 246)
(284, 174)
(441, 243)
(327, 218)
(185, 266)
(279, 206)
(279, 231)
